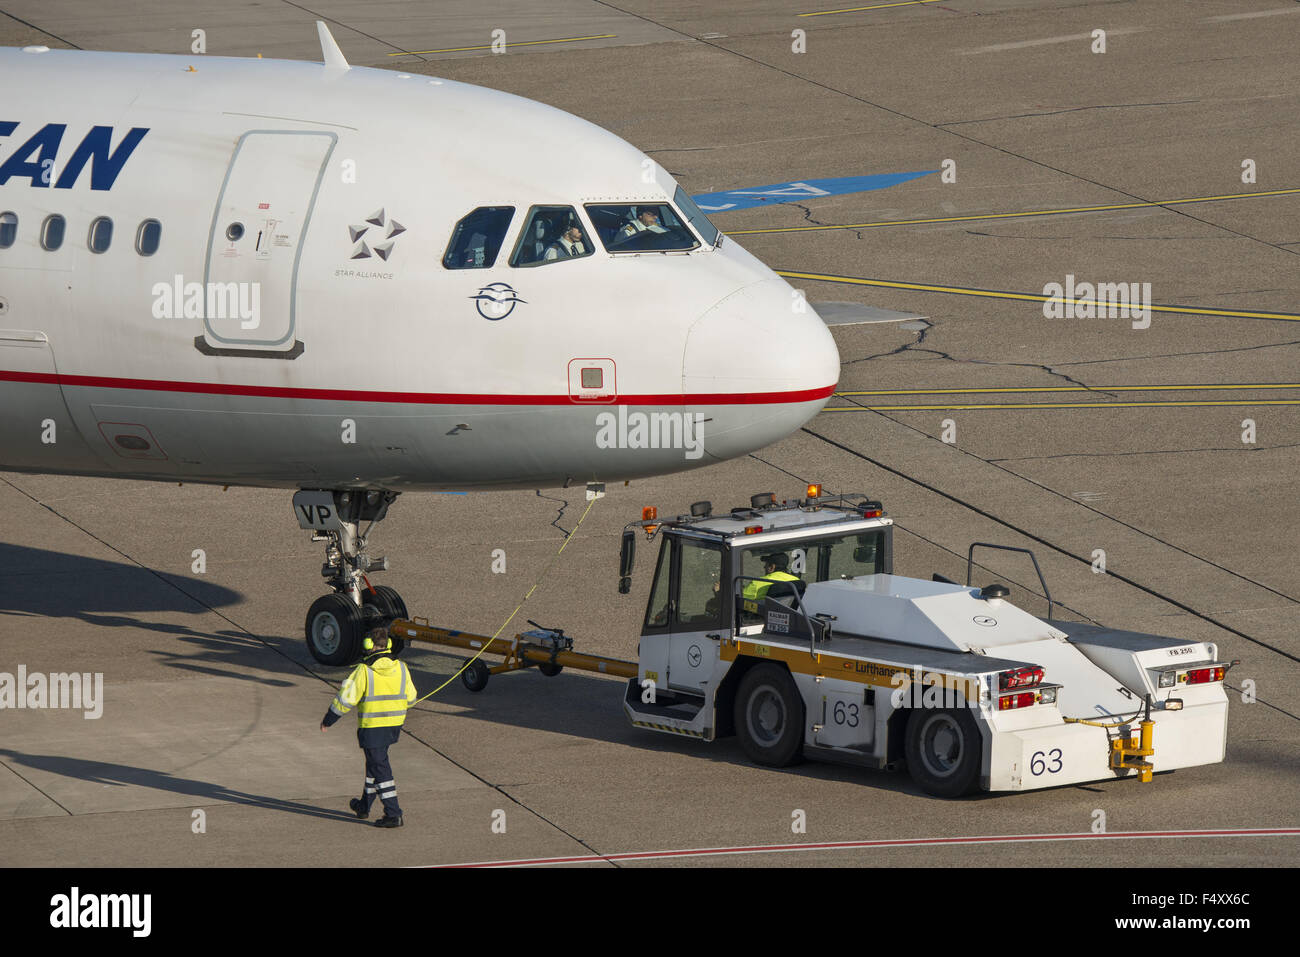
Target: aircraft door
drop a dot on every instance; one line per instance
(255, 243)
(36, 429)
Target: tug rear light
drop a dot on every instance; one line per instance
(1019, 678)
(1202, 675)
(753, 529)
(1022, 700)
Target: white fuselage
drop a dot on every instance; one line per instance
(381, 371)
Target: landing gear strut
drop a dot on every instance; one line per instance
(337, 623)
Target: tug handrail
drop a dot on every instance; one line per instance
(970, 558)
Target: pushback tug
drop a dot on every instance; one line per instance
(845, 661)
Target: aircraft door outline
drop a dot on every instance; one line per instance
(255, 241)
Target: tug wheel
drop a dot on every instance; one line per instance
(943, 750)
(769, 716)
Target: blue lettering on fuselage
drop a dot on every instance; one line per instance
(36, 160)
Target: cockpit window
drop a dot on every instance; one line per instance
(478, 237)
(551, 234)
(708, 232)
(640, 228)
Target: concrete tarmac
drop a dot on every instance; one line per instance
(211, 702)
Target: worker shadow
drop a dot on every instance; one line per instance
(588, 707)
(49, 584)
(203, 792)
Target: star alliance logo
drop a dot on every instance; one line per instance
(383, 250)
(496, 300)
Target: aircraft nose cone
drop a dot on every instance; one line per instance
(763, 362)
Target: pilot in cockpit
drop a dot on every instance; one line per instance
(569, 245)
(648, 219)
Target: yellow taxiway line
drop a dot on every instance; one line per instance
(874, 6)
(1032, 212)
(1057, 405)
(1069, 388)
(1028, 296)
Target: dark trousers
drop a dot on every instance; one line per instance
(375, 743)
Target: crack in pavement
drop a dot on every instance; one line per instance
(915, 346)
(1178, 355)
(564, 504)
(1073, 109)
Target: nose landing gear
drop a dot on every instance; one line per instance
(337, 623)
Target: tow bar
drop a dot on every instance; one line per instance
(548, 649)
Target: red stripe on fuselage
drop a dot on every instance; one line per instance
(413, 398)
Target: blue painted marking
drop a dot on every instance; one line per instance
(801, 190)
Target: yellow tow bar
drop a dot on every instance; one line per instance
(548, 652)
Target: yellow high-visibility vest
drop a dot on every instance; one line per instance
(756, 590)
(381, 693)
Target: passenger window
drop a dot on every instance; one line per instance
(478, 237)
(642, 227)
(552, 234)
(148, 237)
(101, 235)
(52, 232)
(8, 229)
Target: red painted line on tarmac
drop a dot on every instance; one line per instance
(905, 842)
(413, 398)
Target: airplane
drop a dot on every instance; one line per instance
(351, 282)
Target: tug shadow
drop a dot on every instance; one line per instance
(576, 705)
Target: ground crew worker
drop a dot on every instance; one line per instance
(774, 570)
(381, 690)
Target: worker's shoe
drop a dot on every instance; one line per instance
(359, 808)
(387, 821)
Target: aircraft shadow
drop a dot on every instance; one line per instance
(38, 583)
(35, 581)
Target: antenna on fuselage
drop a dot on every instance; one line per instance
(329, 49)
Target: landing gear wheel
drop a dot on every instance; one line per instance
(549, 669)
(334, 630)
(769, 716)
(475, 676)
(943, 751)
(381, 606)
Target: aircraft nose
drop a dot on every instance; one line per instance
(762, 363)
